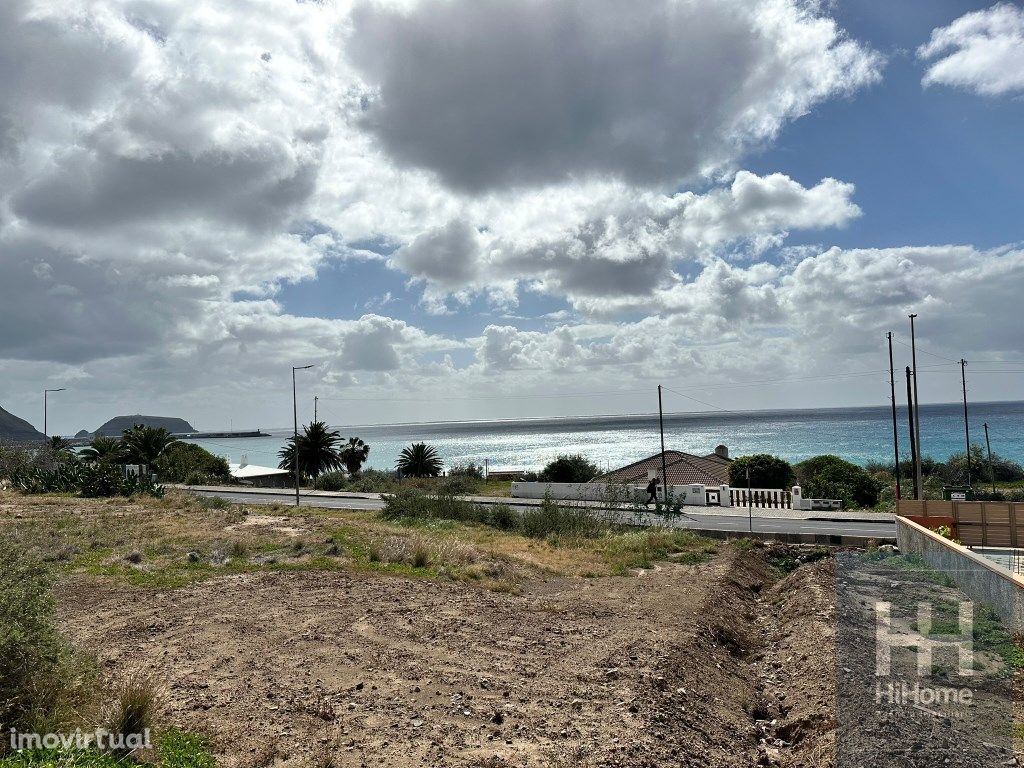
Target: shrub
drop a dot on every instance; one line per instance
(467, 470)
(41, 680)
(830, 477)
(503, 517)
(460, 485)
(766, 471)
(373, 481)
(574, 468)
(182, 462)
(411, 503)
(331, 481)
(551, 519)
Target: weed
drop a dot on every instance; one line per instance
(238, 550)
(134, 707)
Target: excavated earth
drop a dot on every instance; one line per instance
(726, 663)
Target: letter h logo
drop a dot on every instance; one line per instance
(922, 641)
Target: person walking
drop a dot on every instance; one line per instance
(652, 491)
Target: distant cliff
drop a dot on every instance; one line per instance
(19, 430)
(117, 425)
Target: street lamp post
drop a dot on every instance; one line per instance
(46, 392)
(295, 442)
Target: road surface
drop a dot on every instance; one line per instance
(850, 529)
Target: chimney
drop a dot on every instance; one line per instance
(245, 460)
(722, 451)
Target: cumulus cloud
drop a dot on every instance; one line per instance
(617, 243)
(166, 171)
(826, 311)
(982, 51)
(491, 93)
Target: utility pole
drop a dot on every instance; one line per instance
(918, 481)
(46, 431)
(316, 399)
(913, 440)
(661, 427)
(991, 467)
(295, 416)
(895, 431)
(750, 503)
(967, 426)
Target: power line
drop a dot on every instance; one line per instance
(925, 351)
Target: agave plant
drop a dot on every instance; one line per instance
(419, 460)
(317, 449)
(353, 454)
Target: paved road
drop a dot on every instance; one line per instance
(884, 529)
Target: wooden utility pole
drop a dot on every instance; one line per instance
(914, 468)
(991, 466)
(895, 431)
(664, 469)
(967, 426)
(918, 480)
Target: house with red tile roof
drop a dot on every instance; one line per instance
(681, 469)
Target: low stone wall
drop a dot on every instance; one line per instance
(978, 577)
(580, 492)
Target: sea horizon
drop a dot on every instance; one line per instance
(860, 434)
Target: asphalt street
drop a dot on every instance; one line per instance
(762, 522)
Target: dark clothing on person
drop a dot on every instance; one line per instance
(652, 491)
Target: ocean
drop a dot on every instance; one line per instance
(856, 434)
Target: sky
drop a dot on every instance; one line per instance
(499, 209)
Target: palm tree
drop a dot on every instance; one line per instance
(58, 444)
(318, 451)
(109, 449)
(353, 454)
(419, 460)
(144, 445)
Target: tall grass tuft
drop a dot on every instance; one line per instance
(134, 708)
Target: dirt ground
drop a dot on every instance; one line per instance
(313, 668)
(338, 639)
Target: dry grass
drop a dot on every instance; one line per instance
(134, 706)
(181, 539)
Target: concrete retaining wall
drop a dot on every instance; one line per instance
(609, 492)
(978, 577)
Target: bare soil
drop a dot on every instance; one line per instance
(664, 668)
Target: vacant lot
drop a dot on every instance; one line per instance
(337, 639)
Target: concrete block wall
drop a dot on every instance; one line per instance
(976, 576)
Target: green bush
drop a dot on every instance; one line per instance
(461, 485)
(574, 468)
(829, 477)
(331, 481)
(41, 680)
(467, 470)
(504, 518)
(766, 471)
(373, 481)
(181, 461)
(551, 519)
(412, 503)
